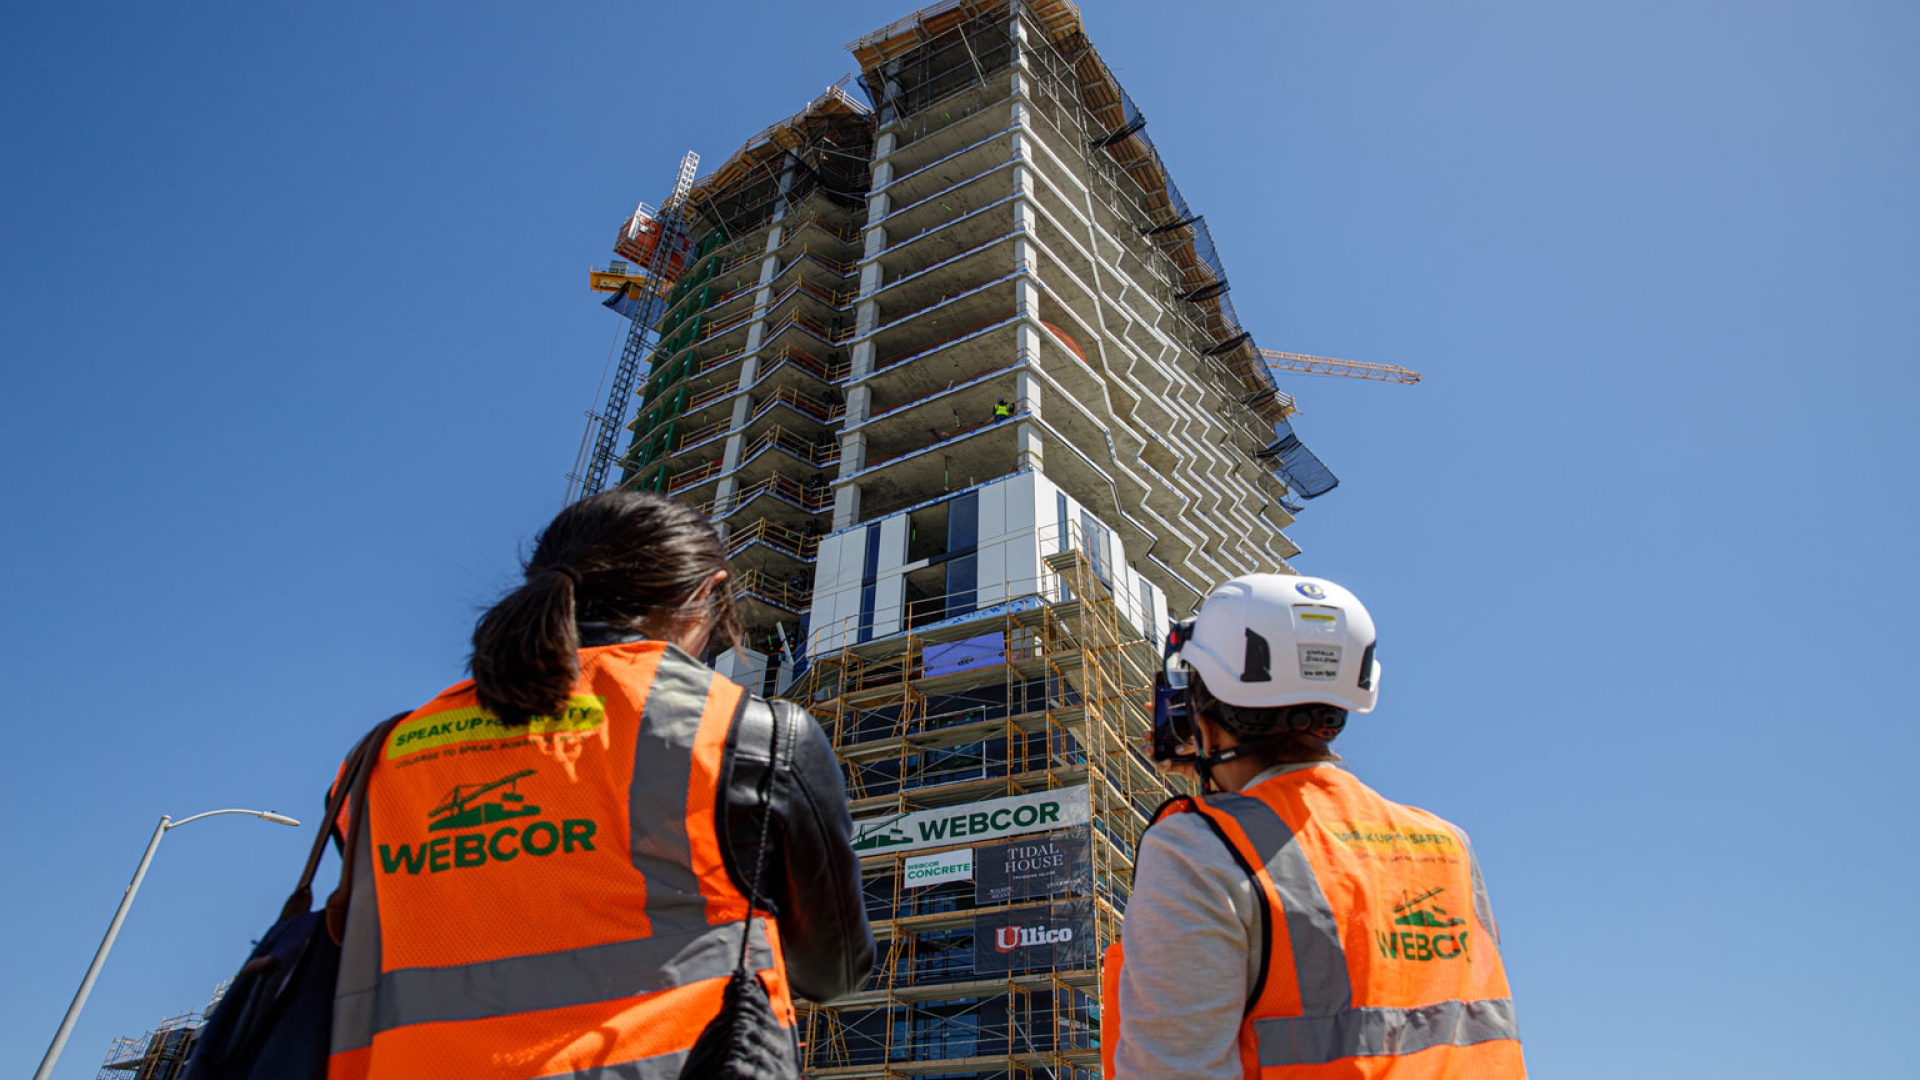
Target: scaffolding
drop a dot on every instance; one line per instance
(162, 1053)
(1054, 696)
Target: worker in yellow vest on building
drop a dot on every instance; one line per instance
(1292, 924)
(555, 879)
(1001, 408)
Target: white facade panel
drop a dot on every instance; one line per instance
(893, 543)
(994, 584)
(992, 514)
(826, 564)
(748, 667)
(828, 617)
(1021, 564)
(1020, 493)
(889, 595)
(1020, 524)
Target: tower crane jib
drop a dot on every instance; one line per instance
(1306, 364)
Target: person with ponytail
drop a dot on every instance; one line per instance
(567, 856)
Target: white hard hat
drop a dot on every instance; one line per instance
(1268, 640)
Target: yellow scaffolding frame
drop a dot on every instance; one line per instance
(1087, 724)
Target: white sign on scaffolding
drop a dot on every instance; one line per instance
(1012, 815)
(922, 870)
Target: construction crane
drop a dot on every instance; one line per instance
(1300, 469)
(1346, 369)
(656, 244)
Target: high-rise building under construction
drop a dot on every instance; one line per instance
(955, 371)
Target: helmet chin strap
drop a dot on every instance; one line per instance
(1204, 766)
(1204, 761)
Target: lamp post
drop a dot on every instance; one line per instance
(119, 916)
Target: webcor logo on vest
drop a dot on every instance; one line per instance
(476, 806)
(1417, 934)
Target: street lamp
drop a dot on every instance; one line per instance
(113, 928)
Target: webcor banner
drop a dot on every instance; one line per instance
(1055, 937)
(934, 869)
(1032, 867)
(1012, 815)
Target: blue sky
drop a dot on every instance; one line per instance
(295, 339)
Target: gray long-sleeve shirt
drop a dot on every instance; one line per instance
(1193, 946)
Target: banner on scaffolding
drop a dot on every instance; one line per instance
(923, 870)
(1033, 867)
(1013, 815)
(1057, 937)
(1024, 603)
(987, 650)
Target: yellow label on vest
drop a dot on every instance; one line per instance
(474, 724)
(1384, 839)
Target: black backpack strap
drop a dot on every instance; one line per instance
(759, 709)
(371, 746)
(301, 901)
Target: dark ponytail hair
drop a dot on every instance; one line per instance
(621, 558)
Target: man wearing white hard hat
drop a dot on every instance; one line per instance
(1291, 922)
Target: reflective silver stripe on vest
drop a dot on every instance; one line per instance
(544, 981)
(1378, 1032)
(558, 980)
(1319, 961)
(359, 979)
(664, 1067)
(1481, 906)
(657, 802)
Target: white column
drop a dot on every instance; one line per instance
(1030, 446)
(1028, 389)
(846, 505)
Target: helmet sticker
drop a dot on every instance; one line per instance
(1320, 663)
(1316, 622)
(1311, 591)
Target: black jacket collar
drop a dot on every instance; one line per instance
(595, 634)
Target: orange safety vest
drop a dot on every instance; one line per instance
(549, 900)
(1382, 956)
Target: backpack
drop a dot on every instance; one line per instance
(276, 1019)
